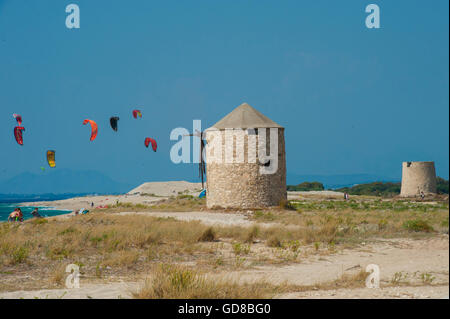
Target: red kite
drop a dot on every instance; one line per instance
(137, 113)
(18, 134)
(149, 140)
(94, 128)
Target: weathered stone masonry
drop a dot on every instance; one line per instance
(418, 177)
(241, 185)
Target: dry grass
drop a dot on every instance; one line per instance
(121, 259)
(208, 235)
(273, 241)
(58, 276)
(180, 203)
(125, 244)
(252, 234)
(115, 245)
(346, 281)
(109, 235)
(327, 219)
(177, 282)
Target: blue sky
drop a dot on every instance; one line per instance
(352, 99)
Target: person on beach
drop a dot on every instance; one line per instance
(422, 195)
(16, 216)
(35, 213)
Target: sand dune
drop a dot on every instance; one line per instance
(172, 188)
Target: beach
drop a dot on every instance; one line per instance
(319, 250)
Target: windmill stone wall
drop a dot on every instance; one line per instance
(233, 183)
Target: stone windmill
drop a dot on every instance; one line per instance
(246, 161)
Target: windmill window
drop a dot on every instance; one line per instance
(266, 164)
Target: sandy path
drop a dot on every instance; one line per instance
(426, 292)
(222, 219)
(95, 291)
(212, 219)
(401, 255)
(314, 194)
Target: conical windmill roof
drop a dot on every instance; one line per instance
(244, 116)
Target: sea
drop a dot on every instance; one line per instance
(9, 203)
(44, 211)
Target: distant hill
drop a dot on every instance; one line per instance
(339, 181)
(62, 181)
(306, 187)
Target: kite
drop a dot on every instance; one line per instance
(18, 118)
(149, 140)
(94, 128)
(18, 134)
(137, 113)
(51, 158)
(113, 121)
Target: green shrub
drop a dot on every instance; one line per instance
(19, 255)
(442, 185)
(185, 196)
(208, 235)
(373, 189)
(285, 204)
(265, 216)
(417, 225)
(240, 249)
(68, 230)
(382, 224)
(39, 221)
